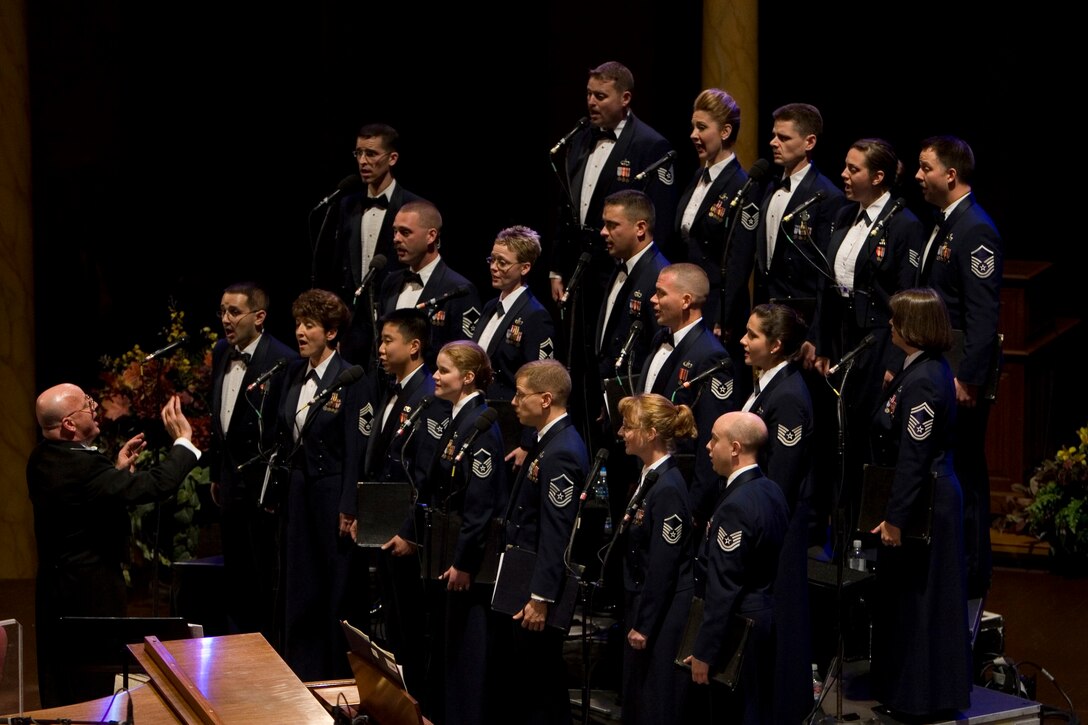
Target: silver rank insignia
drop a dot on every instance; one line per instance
(672, 529)
(436, 428)
(481, 463)
(728, 542)
(749, 216)
(789, 436)
(560, 491)
(366, 419)
(469, 320)
(721, 390)
(547, 350)
(665, 175)
(913, 257)
(920, 421)
(983, 262)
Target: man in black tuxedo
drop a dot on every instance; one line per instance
(243, 422)
(684, 348)
(417, 239)
(962, 261)
(366, 230)
(81, 524)
(605, 157)
(791, 244)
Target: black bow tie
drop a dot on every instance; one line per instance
(705, 177)
(602, 134)
(412, 277)
(236, 354)
(784, 184)
(382, 202)
(863, 216)
(664, 337)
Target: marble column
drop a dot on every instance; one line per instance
(17, 426)
(731, 62)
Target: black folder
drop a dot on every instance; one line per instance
(382, 507)
(512, 588)
(736, 639)
(442, 540)
(876, 489)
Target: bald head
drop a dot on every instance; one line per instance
(735, 441)
(56, 410)
(690, 279)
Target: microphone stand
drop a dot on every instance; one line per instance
(839, 537)
(316, 244)
(587, 590)
(730, 232)
(572, 232)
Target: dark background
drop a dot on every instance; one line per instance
(177, 149)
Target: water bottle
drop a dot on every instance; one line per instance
(856, 560)
(817, 684)
(601, 493)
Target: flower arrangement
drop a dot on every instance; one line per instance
(132, 395)
(1053, 506)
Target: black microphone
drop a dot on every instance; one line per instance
(878, 228)
(579, 270)
(413, 417)
(632, 334)
(436, 301)
(636, 500)
(347, 377)
(376, 265)
(723, 364)
(848, 357)
(602, 457)
(756, 174)
(582, 123)
(804, 205)
(641, 176)
(484, 422)
(347, 185)
(167, 348)
(267, 374)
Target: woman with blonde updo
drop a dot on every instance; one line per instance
(658, 561)
(701, 231)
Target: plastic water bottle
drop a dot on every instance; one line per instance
(817, 684)
(600, 491)
(856, 560)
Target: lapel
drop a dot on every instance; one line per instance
(903, 375)
(620, 152)
(329, 378)
(943, 236)
(453, 434)
(716, 188)
(434, 284)
(669, 370)
(507, 319)
(625, 291)
(750, 475)
(764, 393)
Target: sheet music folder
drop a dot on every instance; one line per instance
(382, 507)
(514, 581)
(736, 639)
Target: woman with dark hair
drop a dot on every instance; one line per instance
(657, 568)
(921, 648)
(321, 439)
(868, 254)
(772, 343)
(701, 229)
(466, 481)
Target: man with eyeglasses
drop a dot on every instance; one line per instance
(514, 327)
(243, 421)
(81, 500)
(366, 230)
(530, 682)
